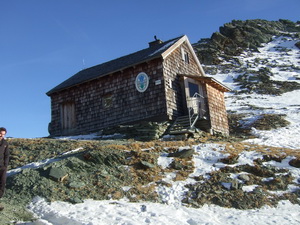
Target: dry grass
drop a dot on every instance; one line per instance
(233, 148)
(114, 147)
(236, 148)
(158, 146)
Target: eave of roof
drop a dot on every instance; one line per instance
(116, 65)
(209, 80)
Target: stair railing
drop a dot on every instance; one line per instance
(194, 108)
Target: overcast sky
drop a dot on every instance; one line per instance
(44, 42)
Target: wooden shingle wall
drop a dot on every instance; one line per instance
(217, 110)
(174, 65)
(91, 99)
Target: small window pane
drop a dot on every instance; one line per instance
(186, 58)
(193, 88)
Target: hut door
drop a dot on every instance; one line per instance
(196, 98)
(68, 116)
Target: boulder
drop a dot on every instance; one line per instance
(232, 159)
(76, 200)
(235, 185)
(58, 174)
(185, 153)
(76, 184)
(244, 177)
(295, 163)
(146, 165)
(176, 165)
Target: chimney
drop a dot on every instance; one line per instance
(156, 42)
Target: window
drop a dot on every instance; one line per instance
(185, 56)
(193, 88)
(107, 101)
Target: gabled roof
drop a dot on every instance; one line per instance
(156, 51)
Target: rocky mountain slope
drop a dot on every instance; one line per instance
(118, 169)
(237, 36)
(236, 50)
(259, 60)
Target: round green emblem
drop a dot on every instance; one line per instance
(142, 82)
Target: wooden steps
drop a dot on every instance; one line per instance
(184, 124)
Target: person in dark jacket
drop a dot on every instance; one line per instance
(4, 157)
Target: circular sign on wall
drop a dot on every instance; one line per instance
(142, 82)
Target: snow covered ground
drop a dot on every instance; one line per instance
(279, 53)
(121, 212)
(92, 212)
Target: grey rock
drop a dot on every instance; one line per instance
(176, 165)
(147, 164)
(76, 184)
(244, 177)
(235, 184)
(76, 200)
(57, 174)
(143, 208)
(185, 153)
(295, 163)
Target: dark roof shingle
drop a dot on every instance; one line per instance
(114, 65)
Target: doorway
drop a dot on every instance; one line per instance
(196, 98)
(68, 121)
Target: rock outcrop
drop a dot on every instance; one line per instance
(235, 37)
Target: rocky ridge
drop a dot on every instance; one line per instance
(225, 51)
(235, 37)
